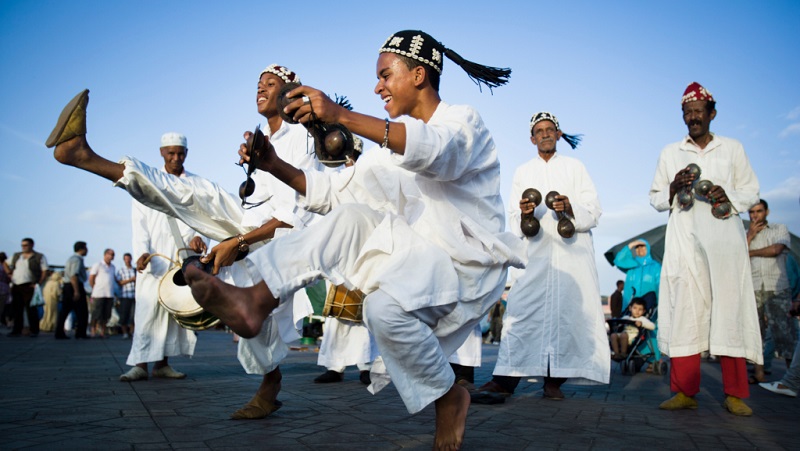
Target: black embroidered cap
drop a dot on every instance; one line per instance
(572, 140)
(424, 48)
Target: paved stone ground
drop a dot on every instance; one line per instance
(65, 394)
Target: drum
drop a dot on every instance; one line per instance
(175, 295)
(342, 303)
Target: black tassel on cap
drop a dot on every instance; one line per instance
(572, 140)
(424, 48)
(492, 77)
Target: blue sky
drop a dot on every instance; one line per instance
(613, 71)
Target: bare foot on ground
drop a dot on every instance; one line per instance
(242, 309)
(451, 419)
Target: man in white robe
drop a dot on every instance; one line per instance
(423, 240)
(158, 336)
(706, 297)
(554, 324)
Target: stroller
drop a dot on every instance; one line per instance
(644, 348)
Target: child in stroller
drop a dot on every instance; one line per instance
(633, 336)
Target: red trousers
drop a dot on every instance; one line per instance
(684, 376)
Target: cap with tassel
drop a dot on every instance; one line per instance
(422, 47)
(572, 140)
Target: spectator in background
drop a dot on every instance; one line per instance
(790, 384)
(29, 268)
(642, 272)
(5, 289)
(101, 279)
(73, 296)
(615, 300)
(496, 322)
(768, 247)
(126, 278)
(52, 294)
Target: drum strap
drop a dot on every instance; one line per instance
(176, 235)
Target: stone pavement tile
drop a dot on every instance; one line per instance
(254, 442)
(189, 445)
(75, 400)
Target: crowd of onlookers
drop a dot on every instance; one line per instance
(31, 292)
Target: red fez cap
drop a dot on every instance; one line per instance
(695, 91)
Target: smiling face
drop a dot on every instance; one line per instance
(544, 136)
(174, 156)
(269, 86)
(397, 84)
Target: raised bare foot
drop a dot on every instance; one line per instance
(74, 152)
(451, 419)
(241, 309)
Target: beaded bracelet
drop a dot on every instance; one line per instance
(386, 136)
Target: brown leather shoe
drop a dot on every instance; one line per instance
(71, 122)
(554, 393)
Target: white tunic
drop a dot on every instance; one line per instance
(427, 233)
(445, 188)
(554, 317)
(157, 334)
(345, 343)
(706, 298)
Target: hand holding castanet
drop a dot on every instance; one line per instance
(528, 223)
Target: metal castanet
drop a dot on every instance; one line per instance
(722, 210)
(703, 187)
(528, 223)
(685, 195)
(333, 143)
(565, 227)
(284, 99)
(255, 147)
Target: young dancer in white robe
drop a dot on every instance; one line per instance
(424, 238)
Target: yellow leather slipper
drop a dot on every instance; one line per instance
(71, 122)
